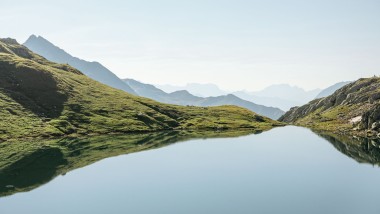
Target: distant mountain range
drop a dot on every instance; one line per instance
(267, 101)
(281, 96)
(183, 97)
(98, 72)
(271, 101)
(330, 90)
(198, 89)
(287, 92)
(93, 70)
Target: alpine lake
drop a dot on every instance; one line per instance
(284, 170)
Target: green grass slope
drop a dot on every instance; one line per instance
(39, 98)
(352, 110)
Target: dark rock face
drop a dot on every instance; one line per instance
(371, 119)
(9, 41)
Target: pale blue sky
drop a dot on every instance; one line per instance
(236, 44)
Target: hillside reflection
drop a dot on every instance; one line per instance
(36, 163)
(363, 150)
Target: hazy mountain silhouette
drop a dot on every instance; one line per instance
(198, 89)
(277, 102)
(330, 90)
(93, 70)
(288, 92)
(281, 96)
(183, 97)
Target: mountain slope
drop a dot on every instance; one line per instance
(185, 98)
(352, 109)
(101, 74)
(330, 90)
(94, 70)
(150, 91)
(39, 98)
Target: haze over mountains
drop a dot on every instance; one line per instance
(330, 90)
(287, 92)
(281, 96)
(183, 97)
(271, 101)
(198, 89)
(100, 73)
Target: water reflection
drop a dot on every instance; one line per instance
(363, 150)
(28, 165)
(32, 170)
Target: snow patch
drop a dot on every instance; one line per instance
(356, 119)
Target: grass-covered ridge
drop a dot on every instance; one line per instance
(39, 98)
(352, 110)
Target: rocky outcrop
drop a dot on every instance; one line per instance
(371, 119)
(356, 105)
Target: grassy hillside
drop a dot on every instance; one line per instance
(353, 109)
(39, 98)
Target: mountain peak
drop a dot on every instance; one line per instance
(9, 41)
(95, 70)
(182, 92)
(38, 39)
(231, 96)
(31, 37)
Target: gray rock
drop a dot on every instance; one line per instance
(375, 126)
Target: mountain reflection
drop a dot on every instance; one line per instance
(36, 163)
(363, 150)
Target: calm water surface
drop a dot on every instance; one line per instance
(285, 170)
